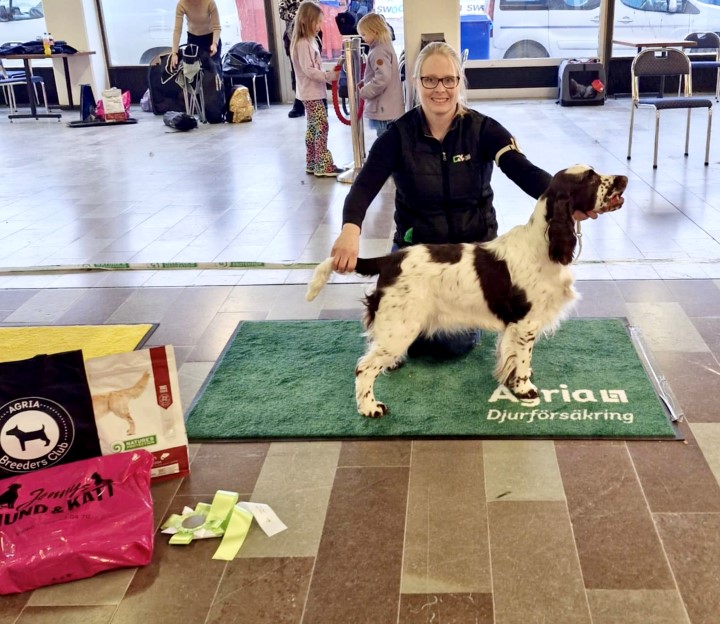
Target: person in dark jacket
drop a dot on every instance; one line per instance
(441, 156)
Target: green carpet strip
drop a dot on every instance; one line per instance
(295, 379)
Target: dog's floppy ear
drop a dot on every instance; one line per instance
(561, 227)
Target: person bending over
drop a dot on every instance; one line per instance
(203, 28)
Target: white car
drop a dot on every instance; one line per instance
(139, 30)
(569, 28)
(21, 20)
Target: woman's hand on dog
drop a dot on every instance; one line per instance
(346, 248)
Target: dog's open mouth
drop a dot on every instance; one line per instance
(615, 201)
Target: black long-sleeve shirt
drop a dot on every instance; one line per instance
(443, 188)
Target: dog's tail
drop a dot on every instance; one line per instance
(365, 266)
(140, 386)
(370, 266)
(319, 279)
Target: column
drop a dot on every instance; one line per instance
(427, 16)
(77, 23)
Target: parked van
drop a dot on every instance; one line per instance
(21, 20)
(139, 30)
(569, 28)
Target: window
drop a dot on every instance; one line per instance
(21, 20)
(138, 30)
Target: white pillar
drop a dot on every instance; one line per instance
(428, 16)
(77, 23)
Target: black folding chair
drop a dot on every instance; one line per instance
(666, 62)
(707, 42)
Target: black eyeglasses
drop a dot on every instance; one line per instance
(430, 82)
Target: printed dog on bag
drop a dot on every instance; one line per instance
(10, 496)
(117, 402)
(27, 436)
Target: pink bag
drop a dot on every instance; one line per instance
(72, 521)
(116, 106)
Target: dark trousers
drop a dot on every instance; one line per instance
(204, 42)
(443, 346)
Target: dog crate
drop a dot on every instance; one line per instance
(581, 83)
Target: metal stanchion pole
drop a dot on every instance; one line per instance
(353, 69)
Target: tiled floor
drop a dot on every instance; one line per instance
(396, 531)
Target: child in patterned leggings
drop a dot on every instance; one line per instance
(311, 83)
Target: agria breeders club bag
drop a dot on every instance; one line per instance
(46, 414)
(73, 521)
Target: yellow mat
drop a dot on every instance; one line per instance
(21, 343)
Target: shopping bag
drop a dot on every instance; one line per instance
(136, 401)
(73, 521)
(46, 413)
(114, 105)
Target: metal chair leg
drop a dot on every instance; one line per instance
(44, 93)
(630, 135)
(707, 141)
(267, 91)
(687, 133)
(657, 132)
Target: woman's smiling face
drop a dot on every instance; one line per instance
(438, 100)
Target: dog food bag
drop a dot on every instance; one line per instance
(46, 414)
(136, 400)
(72, 521)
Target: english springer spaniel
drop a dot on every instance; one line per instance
(518, 285)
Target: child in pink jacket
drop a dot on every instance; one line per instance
(311, 88)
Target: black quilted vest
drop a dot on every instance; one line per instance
(443, 189)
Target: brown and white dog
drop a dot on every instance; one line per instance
(518, 285)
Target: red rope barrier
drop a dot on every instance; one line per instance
(336, 101)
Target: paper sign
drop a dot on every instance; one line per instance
(265, 516)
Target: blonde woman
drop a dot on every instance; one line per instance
(381, 87)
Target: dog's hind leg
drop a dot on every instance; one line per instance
(367, 370)
(385, 352)
(122, 410)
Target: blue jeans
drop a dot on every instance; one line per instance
(443, 346)
(379, 125)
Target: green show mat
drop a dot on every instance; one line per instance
(295, 379)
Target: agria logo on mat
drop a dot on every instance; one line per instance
(34, 433)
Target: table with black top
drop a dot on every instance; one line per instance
(27, 60)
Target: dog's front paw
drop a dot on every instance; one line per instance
(523, 388)
(374, 410)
